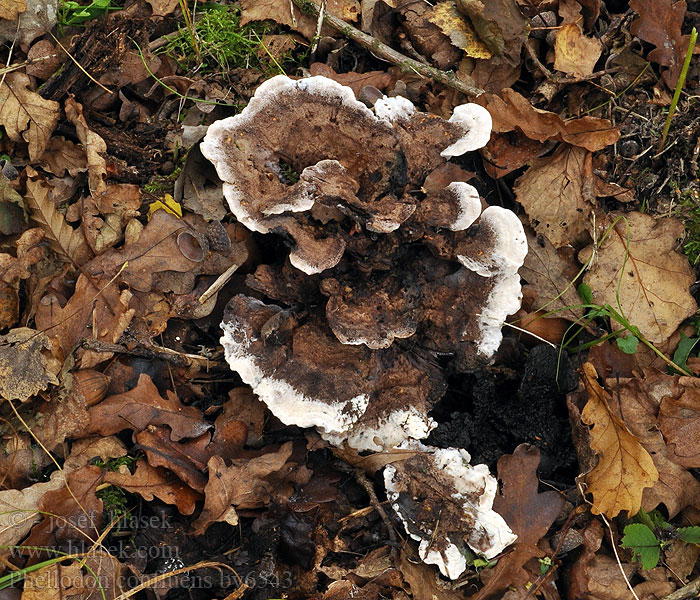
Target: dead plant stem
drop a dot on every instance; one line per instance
(384, 52)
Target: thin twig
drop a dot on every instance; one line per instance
(388, 54)
(691, 590)
(179, 359)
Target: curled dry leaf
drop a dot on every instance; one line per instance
(69, 243)
(24, 367)
(659, 23)
(557, 192)
(624, 467)
(574, 53)
(64, 156)
(155, 482)
(143, 406)
(512, 112)
(638, 263)
(25, 115)
(93, 145)
(247, 483)
(458, 29)
(528, 513)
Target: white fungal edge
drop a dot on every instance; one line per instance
(454, 462)
(510, 249)
(396, 108)
(476, 123)
(224, 131)
(469, 205)
(391, 431)
(288, 404)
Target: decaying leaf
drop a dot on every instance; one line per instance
(143, 406)
(155, 482)
(574, 53)
(94, 146)
(25, 114)
(557, 192)
(247, 483)
(551, 273)
(286, 13)
(355, 81)
(458, 29)
(499, 24)
(64, 156)
(24, 369)
(624, 467)
(11, 9)
(69, 243)
(512, 112)
(528, 513)
(639, 264)
(659, 23)
(679, 421)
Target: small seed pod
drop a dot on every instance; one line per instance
(91, 384)
(193, 245)
(218, 238)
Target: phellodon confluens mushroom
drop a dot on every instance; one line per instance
(387, 279)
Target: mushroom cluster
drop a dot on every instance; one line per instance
(390, 271)
(386, 277)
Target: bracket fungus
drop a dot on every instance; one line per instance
(374, 280)
(381, 276)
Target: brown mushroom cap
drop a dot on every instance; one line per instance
(382, 275)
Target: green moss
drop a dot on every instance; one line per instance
(689, 211)
(223, 43)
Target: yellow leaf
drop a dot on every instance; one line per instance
(25, 114)
(624, 467)
(168, 204)
(458, 29)
(574, 53)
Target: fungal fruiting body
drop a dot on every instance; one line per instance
(388, 274)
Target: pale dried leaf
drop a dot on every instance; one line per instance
(624, 467)
(93, 145)
(63, 155)
(511, 111)
(26, 115)
(69, 243)
(574, 53)
(11, 9)
(650, 277)
(557, 192)
(551, 272)
(24, 369)
(458, 29)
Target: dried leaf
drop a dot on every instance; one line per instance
(653, 278)
(69, 243)
(247, 483)
(528, 513)
(636, 401)
(500, 25)
(285, 13)
(63, 155)
(93, 145)
(458, 29)
(557, 194)
(549, 272)
(574, 53)
(25, 114)
(511, 112)
(624, 468)
(11, 9)
(143, 406)
(659, 23)
(155, 482)
(679, 421)
(353, 80)
(24, 368)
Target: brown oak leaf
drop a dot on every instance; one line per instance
(528, 513)
(638, 264)
(659, 23)
(624, 467)
(144, 406)
(557, 192)
(26, 115)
